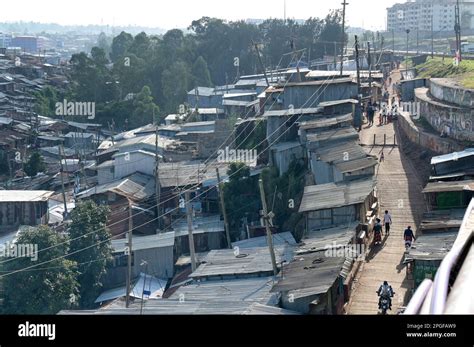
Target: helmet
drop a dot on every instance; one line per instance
(385, 283)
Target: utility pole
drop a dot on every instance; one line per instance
(344, 4)
(369, 61)
(417, 41)
(357, 113)
(61, 152)
(157, 180)
(144, 284)
(406, 62)
(393, 46)
(284, 10)
(457, 30)
(222, 200)
(261, 63)
(267, 227)
(129, 248)
(357, 66)
(432, 37)
(190, 231)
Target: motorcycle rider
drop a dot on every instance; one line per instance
(385, 291)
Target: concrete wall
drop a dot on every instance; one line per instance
(426, 140)
(407, 88)
(457, 123)
(306, 96)
(446, 90)
(137, 162)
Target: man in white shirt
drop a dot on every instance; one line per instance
(387, 219)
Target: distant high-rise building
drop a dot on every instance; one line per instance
(418, 14)
(5, 40)
(30, 44)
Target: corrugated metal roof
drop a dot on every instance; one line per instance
(355, 165)
(334, 135)
(442, 219)
(309, 275)
(24, 195)
(338, 102)
(176, 307)
(320, 240)
(251, 262)
(145, 242)
(250, 289)
(326, 122)
(154, 285)
(135, 187)
(296, 112)
(431, 246)
(201, 225)
(278, 239)
(190, 173)
(332, 195)
(339, 151)
(452, 156)
(456, 186)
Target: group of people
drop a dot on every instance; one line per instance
(386, 113)
(385, 290)
(408, 235)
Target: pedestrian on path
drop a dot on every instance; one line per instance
(382, 157)
(387, 219)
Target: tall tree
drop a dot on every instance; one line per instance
(120, 46)
(90, 248)
(146, 111)
(201, 75)
(45, 289)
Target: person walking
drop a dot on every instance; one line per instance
(387, 219)
(382, 157)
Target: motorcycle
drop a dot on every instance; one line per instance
(377, 238)
(408, 244)
(384, 303)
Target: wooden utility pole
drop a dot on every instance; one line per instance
(61, 151)
(344, 4)
(222, 200)
(457, 29)
(157, 180)
(357, 66)
(267, 227)
(190, 231)
(432, 37)
(129, 259)
(369, 61)
(261, 63)
(417, 41)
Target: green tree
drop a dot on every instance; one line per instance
(146, 111)
(92, 251)
(175, 85)
(47, 288)
(201, 75)
(242, 197)
(120, 46)
(35, 164)
(46, 100)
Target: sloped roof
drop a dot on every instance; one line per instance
(332, 195)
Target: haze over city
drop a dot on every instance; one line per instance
(180, 13)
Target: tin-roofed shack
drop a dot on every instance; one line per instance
(24, 207)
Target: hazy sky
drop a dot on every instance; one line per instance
(170, 14)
